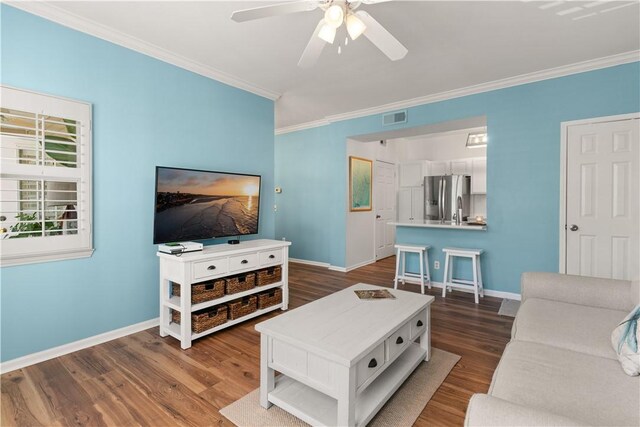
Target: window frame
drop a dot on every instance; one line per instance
(31, 250)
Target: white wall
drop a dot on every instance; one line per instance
(361, 225)
(448, 146)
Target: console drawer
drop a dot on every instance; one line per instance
(369, 364)
(398, 341)
(210, 268)
(418, 323)
(271, 257)
(242, 262)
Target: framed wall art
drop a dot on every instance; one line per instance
(360, 177)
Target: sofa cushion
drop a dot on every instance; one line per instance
(485, 410)
(635, 291)
(571, 326)
(625, 340)
(587, 388)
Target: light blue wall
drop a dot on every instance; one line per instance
(523, 177)
(145, 113)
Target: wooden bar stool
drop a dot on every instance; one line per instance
(450, 282)
(423, 275)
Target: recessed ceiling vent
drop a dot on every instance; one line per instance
(394, 118)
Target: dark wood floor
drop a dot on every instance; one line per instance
(143, 379)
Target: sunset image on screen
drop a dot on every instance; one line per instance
(195, 205)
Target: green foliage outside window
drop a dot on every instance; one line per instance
(26, 228)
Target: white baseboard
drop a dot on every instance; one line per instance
(361, 264)
(319, 264)
(487, 292)
(331, 267)
(304, 261)
(41, 356)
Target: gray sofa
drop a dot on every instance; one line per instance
(559, 367)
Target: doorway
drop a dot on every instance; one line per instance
(384, 202)
(600, 197)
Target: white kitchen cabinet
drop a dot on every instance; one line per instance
(479, 175)
(460, 167)
(411, 174)
(410, 204)
(439, 168)
(449, 167)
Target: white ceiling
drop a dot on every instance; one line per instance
(452, 45)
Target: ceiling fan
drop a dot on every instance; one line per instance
(336, 12)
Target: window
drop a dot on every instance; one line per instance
(45, 178)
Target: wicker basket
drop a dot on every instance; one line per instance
(240, 283)
(269, 275)
(269, 298)
(242, 307)
(202, 292)
(204, 319)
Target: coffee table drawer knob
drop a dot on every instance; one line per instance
(419, 323)
(399, 340)
(373, 363)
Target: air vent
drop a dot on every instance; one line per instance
(394, 118)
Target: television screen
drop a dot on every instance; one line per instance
(197, 205)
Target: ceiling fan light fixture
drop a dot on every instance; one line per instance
(327, 33)
(355, 27)
(334, 16)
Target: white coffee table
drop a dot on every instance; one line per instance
(342, 357)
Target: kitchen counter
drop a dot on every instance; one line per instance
(437, 224)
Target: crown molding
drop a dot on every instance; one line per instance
(551, 73)
(60, 16)
(302, 126)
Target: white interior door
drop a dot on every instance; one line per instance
(385, 207)
(602, 199)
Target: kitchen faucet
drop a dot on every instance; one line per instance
(458, 215)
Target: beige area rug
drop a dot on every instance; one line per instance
(402, 409)
(509, 307)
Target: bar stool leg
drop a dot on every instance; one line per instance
(475, 279)
(395, 280)
(427, 267)
(421, 273)
(452, 258)
(480, 277)
(404, 266)
(446, 275)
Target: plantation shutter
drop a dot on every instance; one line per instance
(45, 180)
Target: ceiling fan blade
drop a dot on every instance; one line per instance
(313, 49)
(374, 1)
(382, 38)
(274, 10)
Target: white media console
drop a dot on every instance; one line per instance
(214, 262)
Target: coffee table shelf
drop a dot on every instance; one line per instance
(317, 408)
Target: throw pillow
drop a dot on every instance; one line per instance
(625, 339)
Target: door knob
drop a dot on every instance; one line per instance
(378, 217)
(573, 227)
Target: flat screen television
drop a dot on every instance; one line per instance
(197, 205)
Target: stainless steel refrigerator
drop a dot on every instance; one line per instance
(441, 195)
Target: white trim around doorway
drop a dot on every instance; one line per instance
(564, 132)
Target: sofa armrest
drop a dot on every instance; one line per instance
(485, 410)
(589, 291)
